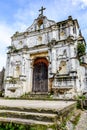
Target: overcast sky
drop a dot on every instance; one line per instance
(17, 15)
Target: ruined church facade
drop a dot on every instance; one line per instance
(43, 59)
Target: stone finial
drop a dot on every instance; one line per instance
(80, 34)
(70, 17)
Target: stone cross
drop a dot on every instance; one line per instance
(42, 10)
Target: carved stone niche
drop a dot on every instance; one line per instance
(12, 89)
(20, 43)
(62, 33)
(39, 38)
(62, 67)
(40, 23)
(25, 48)
(26, 34)
(52, 43)
(70, 39)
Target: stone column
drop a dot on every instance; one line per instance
(23, 64)
(27, 71)
(71, 30)
(53, 60)
(11, 66)
(72, 58)
(31, 75)
(54, 32)
(7, 66)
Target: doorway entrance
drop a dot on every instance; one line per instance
(40, 75)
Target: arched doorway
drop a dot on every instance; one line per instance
(40, 75)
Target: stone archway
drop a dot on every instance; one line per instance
(40, 75)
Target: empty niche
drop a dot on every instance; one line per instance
(17, 71)
(62, 67)
(39, 38)
(20, 43)
(40, 24)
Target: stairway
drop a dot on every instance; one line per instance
(24, 117)
(33, 114)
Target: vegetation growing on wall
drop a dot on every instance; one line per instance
(80, 49)
(13, 49)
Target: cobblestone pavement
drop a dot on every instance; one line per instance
(82, 124)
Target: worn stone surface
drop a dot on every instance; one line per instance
(35, 111)
(54, 105)
(82, 124)
(24, 121)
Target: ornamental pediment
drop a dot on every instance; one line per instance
(40, 23)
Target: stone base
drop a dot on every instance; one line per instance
(64, 93)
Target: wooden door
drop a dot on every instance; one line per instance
(40, 77)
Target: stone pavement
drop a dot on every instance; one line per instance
(82, 124)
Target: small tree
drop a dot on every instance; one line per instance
(80, 49)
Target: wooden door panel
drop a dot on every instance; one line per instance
(40, 77)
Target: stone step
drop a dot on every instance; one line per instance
(25, 121)
(33, 109)
(37, 96)
(29, 115)
(44, 106)
(50, 107)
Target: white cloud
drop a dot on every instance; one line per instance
(2, 61)
(81, 3)
(6, 31)
(25, 14)
(5, 34)
(5, 40)
(84, 4)
(19, 26)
